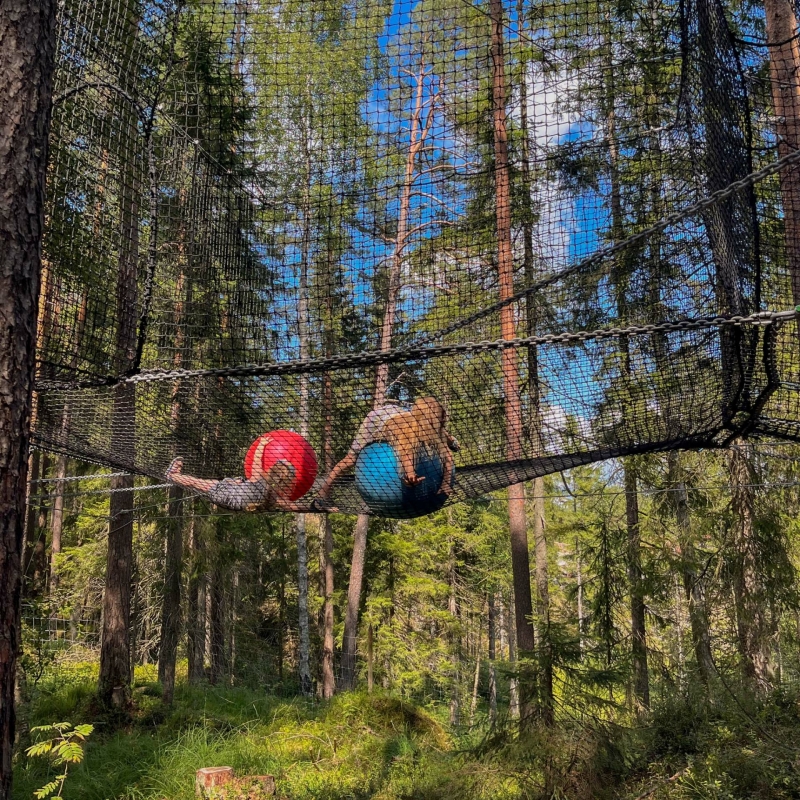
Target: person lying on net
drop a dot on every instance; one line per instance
(264, 491)
(423, 428)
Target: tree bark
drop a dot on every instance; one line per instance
(196, 622)
(751, 604)
(217, 612)
(641, 677)
(784, 57)
(304, 649)
(419, 130)
(171, 608)
(27, 46)
(545, 650)
(35, 557)
(492, 655)
(520, 558)
(115, 651)
(349, 642)
(693, 589)
(56, 528)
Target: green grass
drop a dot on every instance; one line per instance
(361, 746)
(356, 746)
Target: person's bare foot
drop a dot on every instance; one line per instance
(174, 468)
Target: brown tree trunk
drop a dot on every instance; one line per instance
(171, 609)
(328, 679)
(304, 644)
(784, 62)
(349, 642)
(455, 639)
(27, 45)
(35, 558)
(217, 612)
(492, 656)
(545, 650)
(420, 128)
(115, 651)
(56, 528)
(520, 558)
(693, 589)
(751, 604)
(641, 678)
(196, 606)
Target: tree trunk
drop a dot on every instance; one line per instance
(545, 652)
(27, 45)
(784, 62)
(115, 651)
(217, 611)
(419, 130)
(370, 635)
(751, 604)
(56, 528)
(196, 622)
(304, 654)
(476, 677)
(693, 589)
(492, 656)
(520, 558)
(641, 678)
(35, 558)
(349, 642)
(328, 679)
(452, 606)
(171, 609)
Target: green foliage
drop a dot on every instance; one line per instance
(62, 744)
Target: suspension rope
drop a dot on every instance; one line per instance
(71, 478)
(416, 353)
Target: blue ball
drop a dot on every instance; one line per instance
(379, 482)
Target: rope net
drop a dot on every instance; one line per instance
(564, 221)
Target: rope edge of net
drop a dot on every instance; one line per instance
(418, 353)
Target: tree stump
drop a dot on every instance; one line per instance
(208, 779)
(219, 783)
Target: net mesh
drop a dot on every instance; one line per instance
(281, 214)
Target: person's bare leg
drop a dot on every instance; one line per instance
(346, 463)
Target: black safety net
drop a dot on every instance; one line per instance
(570, 223)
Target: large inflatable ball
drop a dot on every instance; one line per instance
(380, 483)
(286, 446)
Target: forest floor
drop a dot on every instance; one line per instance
(380, 747)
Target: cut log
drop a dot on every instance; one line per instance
(209, 778)
(219, 783)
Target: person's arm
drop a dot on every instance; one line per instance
(174, 475)
(257, 470)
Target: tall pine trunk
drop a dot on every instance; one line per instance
(304, 653)
(784, 62)
(196, 605)
(753, 626)
(692, 587)
(641, 677)
(27, 45)
(520, 558)
(419, 130)
(171, 608)
(115, 650)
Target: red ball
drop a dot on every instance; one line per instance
(286, 446)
